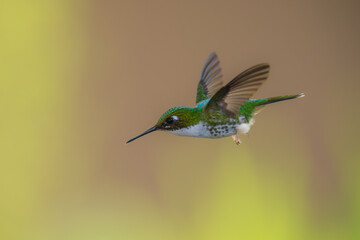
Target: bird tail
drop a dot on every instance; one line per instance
(260, 103)
(266, 101)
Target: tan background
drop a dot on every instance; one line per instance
(79, 78)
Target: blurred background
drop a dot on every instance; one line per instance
(80, 78)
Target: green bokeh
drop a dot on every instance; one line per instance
(79, 78)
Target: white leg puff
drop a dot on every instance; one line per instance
(243, 128)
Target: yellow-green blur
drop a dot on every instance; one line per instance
(79, 78)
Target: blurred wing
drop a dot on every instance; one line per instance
(210, 80)
(231, 97)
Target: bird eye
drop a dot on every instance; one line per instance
(170, 120)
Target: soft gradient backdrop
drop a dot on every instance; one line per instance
(79, 78)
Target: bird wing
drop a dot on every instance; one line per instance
(231, 97)
(210, 79)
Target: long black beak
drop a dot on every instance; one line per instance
(144, 133)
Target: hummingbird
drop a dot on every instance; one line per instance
(220, 111)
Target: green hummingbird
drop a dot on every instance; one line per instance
(220, 111)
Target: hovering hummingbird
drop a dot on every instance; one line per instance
(220, 111)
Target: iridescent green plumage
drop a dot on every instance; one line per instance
(188, 116)
(221, 110)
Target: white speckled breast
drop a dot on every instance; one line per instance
(206, 131)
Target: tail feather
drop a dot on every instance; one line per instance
(279, 98)
(254, 106)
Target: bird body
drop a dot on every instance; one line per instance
(220, 111)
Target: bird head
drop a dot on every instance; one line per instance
(173, 119)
